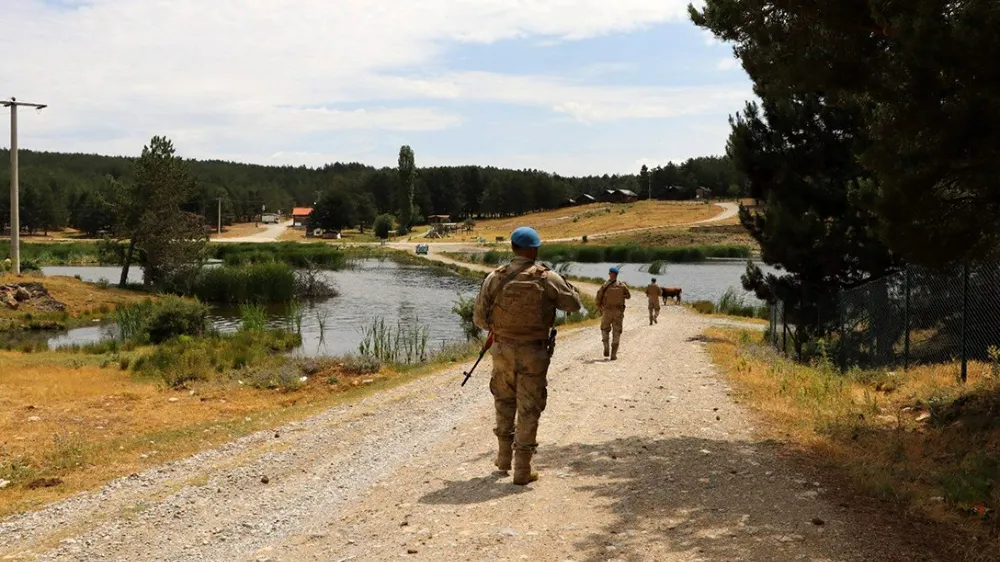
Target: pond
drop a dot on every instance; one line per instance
(412, 294)
(707, 280)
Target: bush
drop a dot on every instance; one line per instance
(185, 359)
(361, 365)
(704, 307)
(248, 283)
(464, 308)
(174, 317)
(383, 225)
(291, 253)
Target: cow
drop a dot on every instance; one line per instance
(671, 293)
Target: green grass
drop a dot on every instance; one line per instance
(292, 253)
(265, 282)
(56, 253)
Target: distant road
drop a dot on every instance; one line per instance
(270, 234)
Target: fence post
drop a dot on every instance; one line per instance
(965, 315)
(784, 330)
(906, 319)
(843, 332)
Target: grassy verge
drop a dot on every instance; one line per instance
(918, 439)
(83, 302)
(732, 304)
(54, 253)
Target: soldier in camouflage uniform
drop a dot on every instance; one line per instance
(653, 294)
(611, 304)
(517, 303)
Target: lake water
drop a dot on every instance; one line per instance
(414, 295)
(699, 281)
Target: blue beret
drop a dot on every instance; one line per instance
(614, 269)
(526, 237)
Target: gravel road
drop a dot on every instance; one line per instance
(645, 458)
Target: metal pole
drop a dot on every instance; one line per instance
(906, 319)
(965, 316)
(843, 332)
(220, 215)
(15, 214)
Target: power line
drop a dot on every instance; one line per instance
(15, 218)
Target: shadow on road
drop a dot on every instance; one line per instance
(701, 499)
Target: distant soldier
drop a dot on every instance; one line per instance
(611, 304)
(517, 303)
(653, 292)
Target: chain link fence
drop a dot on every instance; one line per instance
(913, 317)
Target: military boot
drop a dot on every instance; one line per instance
(505, 453)
(523, 474)
(614, 352)
(606, 351)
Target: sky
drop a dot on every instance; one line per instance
(574, 87)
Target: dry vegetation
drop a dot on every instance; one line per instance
(239, 230)
(918, 439)
(725, 235)
(72, 421)
(592, 219)
(346, 237)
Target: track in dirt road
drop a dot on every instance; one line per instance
(645, 458)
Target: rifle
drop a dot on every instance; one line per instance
(486, 346)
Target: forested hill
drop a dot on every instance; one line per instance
(59, 189)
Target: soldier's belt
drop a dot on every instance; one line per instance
(512, 341)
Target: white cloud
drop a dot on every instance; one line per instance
(728, 63)
(253, 78)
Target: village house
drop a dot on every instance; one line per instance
(702, 193)
(300, 216)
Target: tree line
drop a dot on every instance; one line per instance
(60, 190)
(873, 144)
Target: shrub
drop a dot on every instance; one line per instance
(383, 225)
(704, 307)
(177, 317)
(361, 365)
(464, 308)
(248, 283)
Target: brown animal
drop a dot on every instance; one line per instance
(671, 293)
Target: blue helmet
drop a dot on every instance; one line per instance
(614, 269)
(525, 237)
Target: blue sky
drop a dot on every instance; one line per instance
(568, 86)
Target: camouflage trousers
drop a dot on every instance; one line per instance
(654, 311)
(519, 389)
(611, 323)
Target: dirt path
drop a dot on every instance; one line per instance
(646, 458)
(270, 234)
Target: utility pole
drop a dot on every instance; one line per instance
(220, 214)
(15, 215)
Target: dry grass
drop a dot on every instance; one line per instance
(714, 235)
(591, 219)
(346, 237)
(73, 418)
(239, 230)
(919, 439)
(81, 299)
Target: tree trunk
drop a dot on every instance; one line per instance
(128, 262)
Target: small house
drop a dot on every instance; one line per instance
(300, 216)
(586, 199)
(607, 196)
(623, 196)
(702, 193)
(438, 219)
(269, 218)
